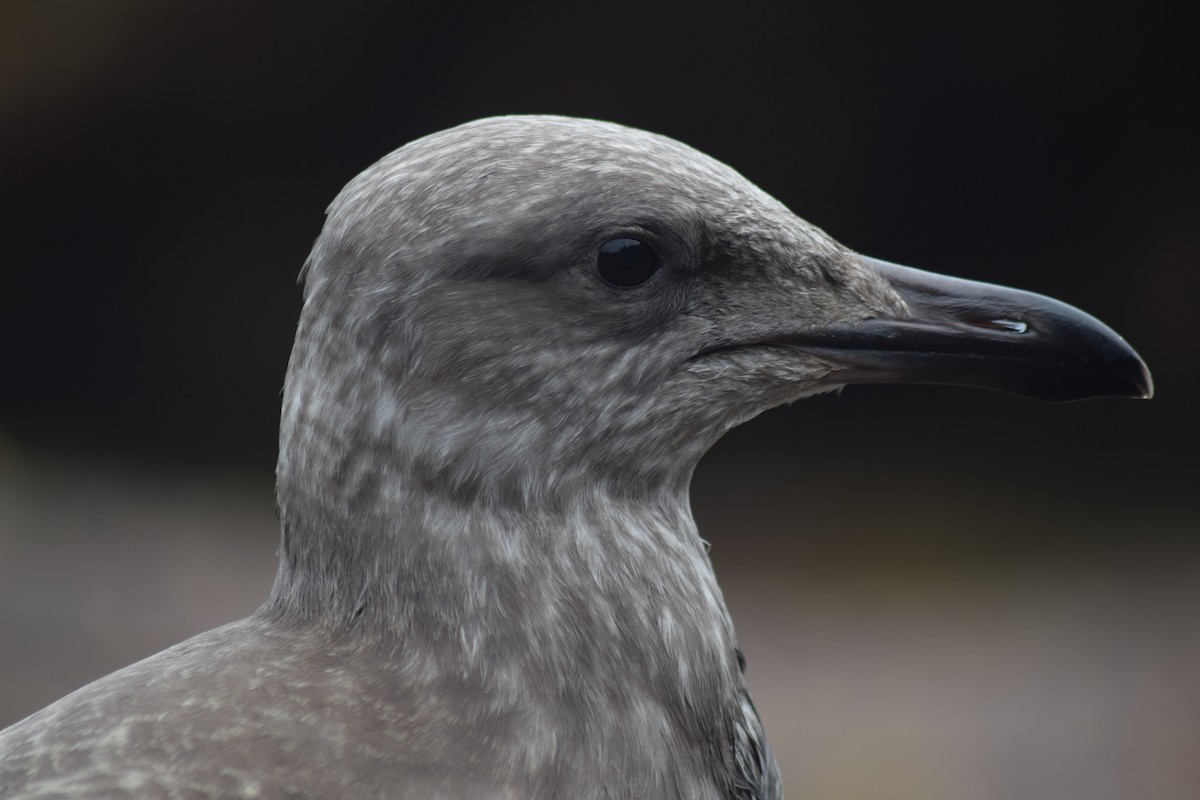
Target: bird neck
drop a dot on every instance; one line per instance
(611, 594)
(416, 557)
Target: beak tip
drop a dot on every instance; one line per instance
(1127, 377)
(1141, 383)
(1122, 374)
(1147, 384)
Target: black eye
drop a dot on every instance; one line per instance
(626, 262)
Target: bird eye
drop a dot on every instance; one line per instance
(626, 262)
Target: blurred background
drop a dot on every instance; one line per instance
(941, 593)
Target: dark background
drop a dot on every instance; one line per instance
(942, 593)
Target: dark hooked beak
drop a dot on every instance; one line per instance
(964, 333)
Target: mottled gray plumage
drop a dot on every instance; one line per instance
(490, 583)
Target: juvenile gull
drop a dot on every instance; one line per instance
(518, 338)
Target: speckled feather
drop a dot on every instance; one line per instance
(490, 583)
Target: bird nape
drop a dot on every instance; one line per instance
(518, 338)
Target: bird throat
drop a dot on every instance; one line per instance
(570, 614)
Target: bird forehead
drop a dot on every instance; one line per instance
(559, 147)
(509, 166)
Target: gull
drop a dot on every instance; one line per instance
(518, 338)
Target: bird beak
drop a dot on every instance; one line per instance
(963, 333)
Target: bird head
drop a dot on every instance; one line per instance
(521, 304)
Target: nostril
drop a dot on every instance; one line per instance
(1014, 325)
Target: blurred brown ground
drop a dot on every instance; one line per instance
(941, 594)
